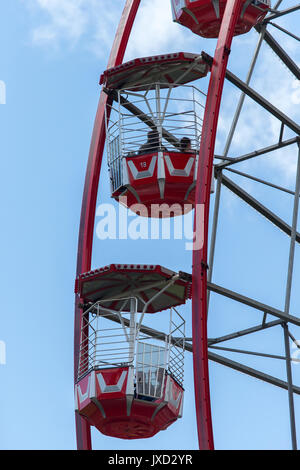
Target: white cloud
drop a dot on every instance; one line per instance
(94, 23)
(74, 21)
(154, 32)
(66, 18)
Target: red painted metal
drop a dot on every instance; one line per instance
(204, 17)
(109, 281)
(107, 399)
(202, 198)
(167, 68)
(90, 194)
(163, 184)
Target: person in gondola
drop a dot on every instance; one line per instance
(186, 145)
(152, 144)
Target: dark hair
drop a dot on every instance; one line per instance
(185, 143)
(153, 137)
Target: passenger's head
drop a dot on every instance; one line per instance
(153, 138)
(185, 144)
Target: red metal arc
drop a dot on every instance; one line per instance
(199, 293)
(86, 229)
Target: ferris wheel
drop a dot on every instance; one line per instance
(160, 126)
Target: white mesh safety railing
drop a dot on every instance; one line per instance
(111, 338)
(151, 362)
(166, 115)
(106, 343)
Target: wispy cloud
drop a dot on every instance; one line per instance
(93, 23)
(154, 32)
(63, 19)
(86, 22)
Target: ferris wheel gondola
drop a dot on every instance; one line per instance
(157, 156)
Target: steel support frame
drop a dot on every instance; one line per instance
(290, 230)
(288, 302)
(161, 336)
(259, 99)
(285, 31)
(247, 331)
(284, 316)
(279, 51)
(257, 153)
(259, 207)
(259, 180)
(243, 95)
(277, 14)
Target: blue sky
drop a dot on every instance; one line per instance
(52, 54)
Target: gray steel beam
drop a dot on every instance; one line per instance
(277, 14)
(253, 353)
(242, 97)
(255, 204)
(285, 31)
(214, 231)
(246, 370)
(276, 6)
(257, 153)
(213, 357)
(279, 51)
(229, 159)
(287, 305)
(290, 387)
(252, 372)
(293, 239)
(253, 303)
(262, 101)
(296, 343)
(258, 180)
(238, 334)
